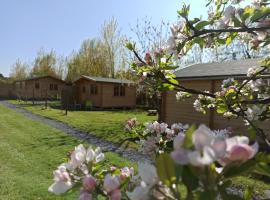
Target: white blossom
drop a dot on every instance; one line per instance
(62, 181)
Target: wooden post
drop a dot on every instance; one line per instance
(33, 96)
(46, 99)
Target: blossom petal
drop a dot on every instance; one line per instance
(60, 187)
(139, 193)
(180, 157)
(219, 146)
(148, 173)
(202, 137)
(206, 157)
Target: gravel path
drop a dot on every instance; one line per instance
(131, 155)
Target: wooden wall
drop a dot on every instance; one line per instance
(85, 95)
(109, 100)
(26, 89)
(6, 90)
(105, 97)
(184, 112)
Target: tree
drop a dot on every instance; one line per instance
(89, 60)
(205, 162)
(47, 63)
(113, 44)
(217, 31)
(150, 37)
(19, 71)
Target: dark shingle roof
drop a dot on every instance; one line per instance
(107, 80)
(40, 77)
(236, 68)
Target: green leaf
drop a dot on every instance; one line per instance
(201, 24)
(173, 81)
(200, 41)
(236, 169)
(230, 38)
(188, 144)
(189, 179)
(263, 169)
(252, 133)
(221, 41)
(259, 14)
(248, 193)
(167, 86)
(222, 108)
(166, 169)
(236, 22)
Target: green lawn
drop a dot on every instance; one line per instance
(108, 125)
(30, 151)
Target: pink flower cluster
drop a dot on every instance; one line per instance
(79, 169)
(207, 148)
(131, 123)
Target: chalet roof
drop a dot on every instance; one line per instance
(217, 70)
(40, 77)
(107, 80)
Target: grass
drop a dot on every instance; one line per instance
(108, 125)
(30, 151)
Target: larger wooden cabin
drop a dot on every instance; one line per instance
(105, 92)
(208, 76)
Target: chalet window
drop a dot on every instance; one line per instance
(122, 90)
(21, 85)
(94, 89)
(119, 90)
(83, 89)
(51, 86)
(37, 85)
(55, 87)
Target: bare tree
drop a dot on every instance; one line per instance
(19, 70)
(113, 42)
(149, 36)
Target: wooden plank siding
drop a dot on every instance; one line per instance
(109, 100)
(27, 88)
(84, 92)
(184, 112)
(6, 90)
(105, 96)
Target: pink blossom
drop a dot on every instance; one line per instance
(180, 156)
(115, 195)
(78, 156)
(178, 141)
(84, 195)
(150, 146)
(89, 183)
(148, 58)
(229, 12)
(126, 172)
(238, 149)
(62, 181)
(131, 123)
(111, 183)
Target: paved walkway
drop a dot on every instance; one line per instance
(132, 155)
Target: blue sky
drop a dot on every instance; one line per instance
(28, 25)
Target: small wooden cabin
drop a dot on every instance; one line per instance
(207, 76)
(105, 92)
(39, 88)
